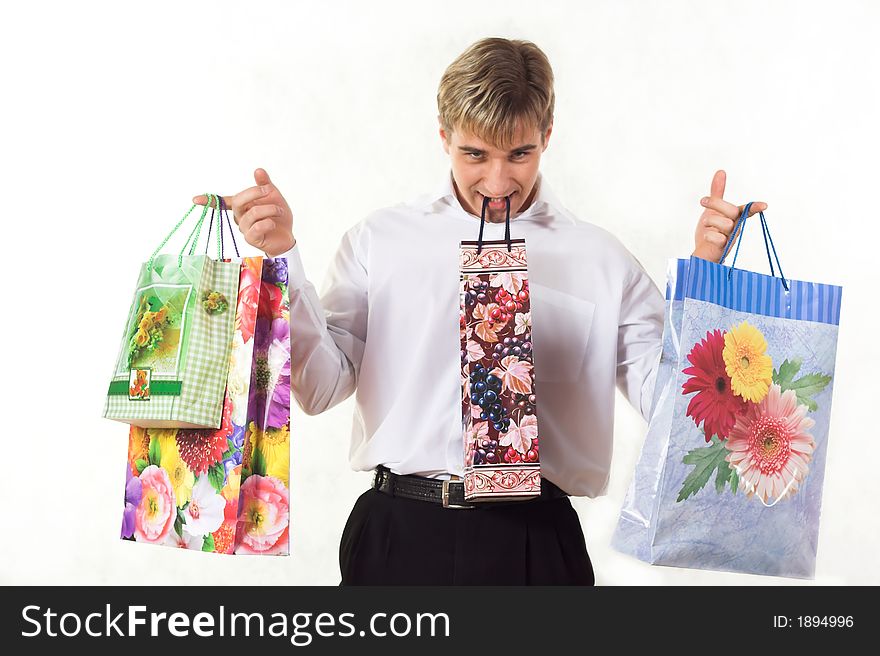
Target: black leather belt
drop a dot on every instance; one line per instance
(449, 493)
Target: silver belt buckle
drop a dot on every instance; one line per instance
(445, 497)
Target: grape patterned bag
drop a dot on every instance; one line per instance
(499, 422)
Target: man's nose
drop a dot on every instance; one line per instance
(497, 179)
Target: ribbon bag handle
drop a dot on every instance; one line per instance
(196, 230)
(220, 214)
(229, 225)
(212, 200)
(483, 224)
(768, 244)
(193, 238)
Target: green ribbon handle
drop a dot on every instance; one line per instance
(196, 230)
(215, 201)
(219, 231)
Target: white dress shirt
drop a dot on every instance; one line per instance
(386, 327)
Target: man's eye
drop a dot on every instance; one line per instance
(519, 155)
(475, 155)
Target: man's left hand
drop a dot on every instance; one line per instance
(717, 220)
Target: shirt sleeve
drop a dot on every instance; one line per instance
(639, 339)
(327, 334)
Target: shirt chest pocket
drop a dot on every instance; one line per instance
(561, 325)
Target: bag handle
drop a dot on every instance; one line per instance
(229, 225)
(222, 213)
(212, 198)
(483, 224)
(768, 244)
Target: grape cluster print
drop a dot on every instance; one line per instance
(520, 347)
(485, 389)
(497, 361)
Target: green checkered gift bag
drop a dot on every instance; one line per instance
(173, 361)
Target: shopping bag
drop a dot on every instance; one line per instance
(225, 491)
(633, 532)
(740, 487)
(179, 328)
(499, 418)
(263, 525)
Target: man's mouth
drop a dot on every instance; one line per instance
(498, 202)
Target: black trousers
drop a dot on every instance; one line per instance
(395, 541)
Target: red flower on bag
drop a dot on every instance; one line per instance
(270, 301)
(248, 298)
(715, 405)
(224, 537)
(202, 449)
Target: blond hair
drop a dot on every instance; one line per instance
(495, 88)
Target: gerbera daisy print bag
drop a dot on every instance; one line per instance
(226, 490)
(179, 328)
(499, 419)
(633, 532)
(741, 484)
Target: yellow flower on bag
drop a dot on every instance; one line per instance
(233, 484)
(141, 338)
(138, 447)
(747, 363)
(274, 445)
(182, 479)
(214, 302)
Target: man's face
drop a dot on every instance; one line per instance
(482, 170)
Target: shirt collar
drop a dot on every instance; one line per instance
(545, 200)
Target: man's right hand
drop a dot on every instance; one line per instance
(262, 215)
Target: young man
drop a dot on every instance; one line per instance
(384, 329)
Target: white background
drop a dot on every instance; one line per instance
(115, 114)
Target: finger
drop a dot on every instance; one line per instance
(719, 181)
(721, 206)
(754, 209)
(257, 213)
(256, 234)
(261, 177)
(715, 238)
(720, 223)
(203, 200)
(242, 201)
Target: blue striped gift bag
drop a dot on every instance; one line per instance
(741, 434)
(632, 534)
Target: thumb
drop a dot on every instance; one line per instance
(261, 177)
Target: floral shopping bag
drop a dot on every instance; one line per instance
(633, 533)
(225, 490)
(179, 327)
(740, 487)
(263, 524)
